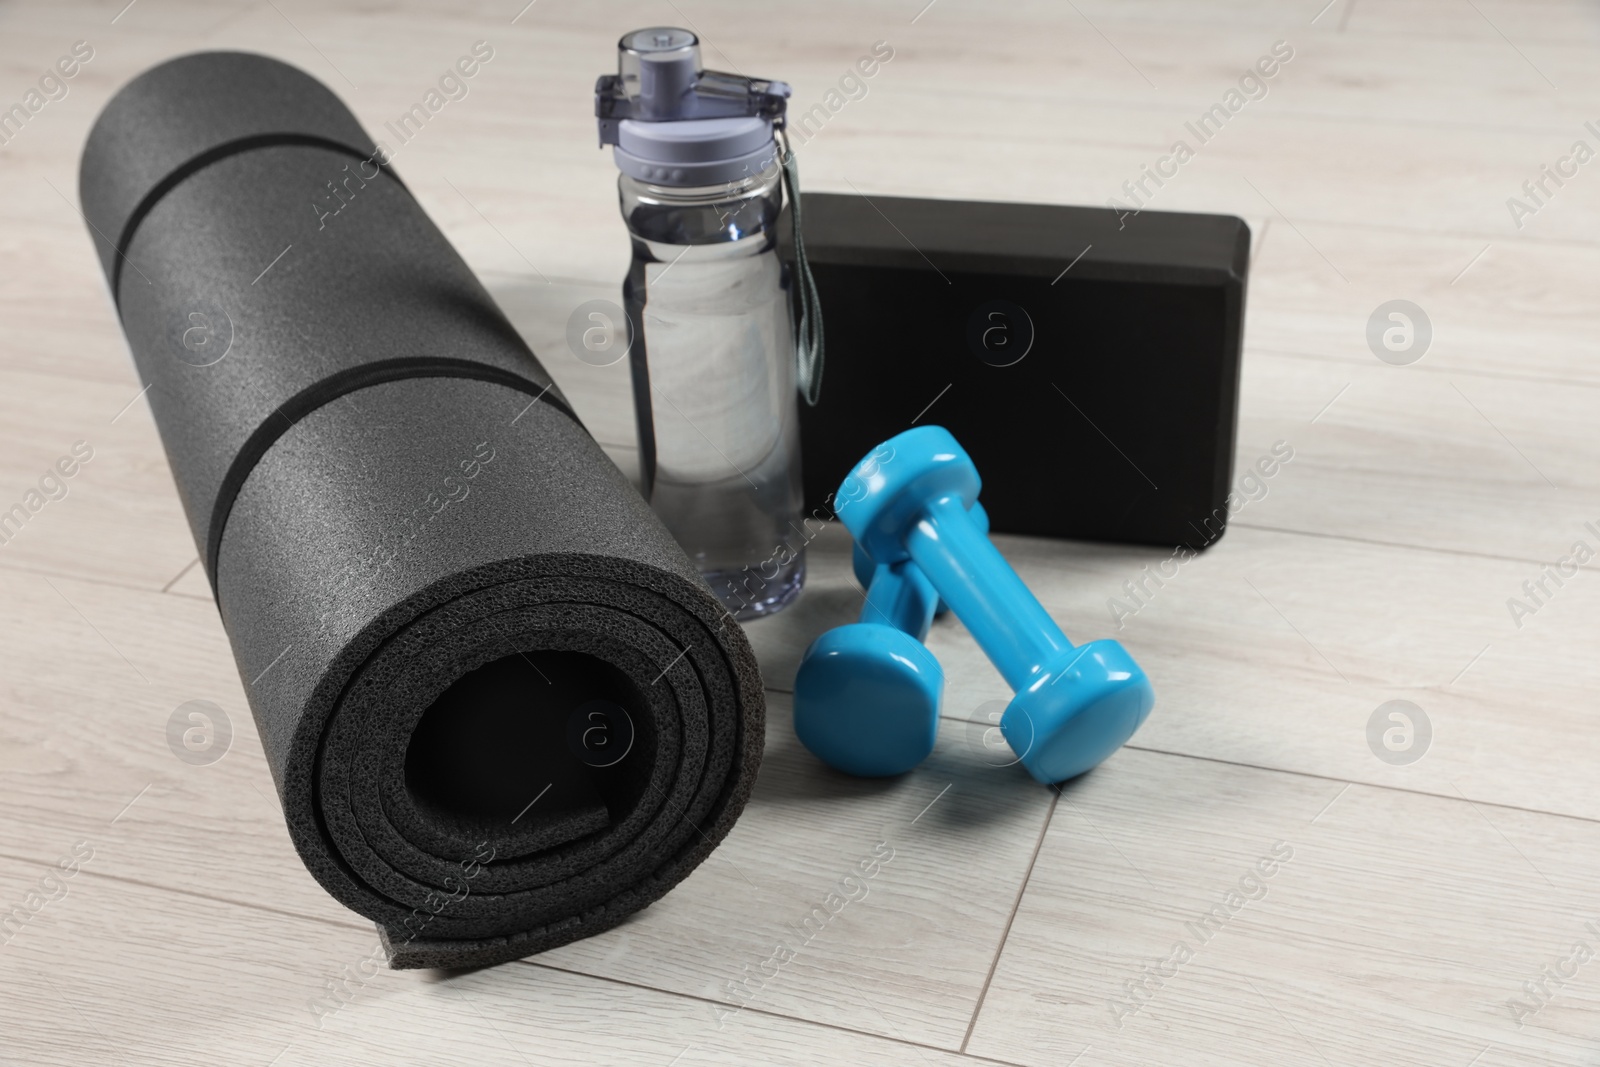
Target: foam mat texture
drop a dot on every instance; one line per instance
(501, 708)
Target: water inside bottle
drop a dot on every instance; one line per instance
(719, 349)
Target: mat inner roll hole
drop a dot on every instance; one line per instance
(531, 751)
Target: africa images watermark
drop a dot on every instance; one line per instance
(51, 486)
(852, 85)
(787, 551)
(388, 550)
(1537, 592)
(1252, 886)
(850, 887)
(1252, 486)
(805, 125)
(1563, 970)
(1536, 192)
(1252, 86)
(47, 890)
(52, 86)
(345, 985)
(452, 85)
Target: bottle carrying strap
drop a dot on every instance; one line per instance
(808, 338)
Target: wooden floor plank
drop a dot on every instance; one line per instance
(81, 460)
(908, 960)
(1361, 919)
(113, 972)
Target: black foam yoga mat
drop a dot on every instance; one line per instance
(502, 710)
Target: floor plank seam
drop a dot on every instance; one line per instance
(1344, 538)
(1312, 775)
(1496, 236)
(111, 583)
(1437, 370)
(1290, 116)
(1016, 905)
(768, 1012)
(1459, 799)
(358, 924)
(1356, 540)
(123, 879)
(187, 568)
(1476, 235)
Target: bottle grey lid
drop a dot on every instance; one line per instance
(695, 152)
(672, 122)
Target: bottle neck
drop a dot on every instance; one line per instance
(695, 215)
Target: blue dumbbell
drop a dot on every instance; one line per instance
(1074, 706)
(867, 695)
(863, 566)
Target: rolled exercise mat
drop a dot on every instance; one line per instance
(502, 710)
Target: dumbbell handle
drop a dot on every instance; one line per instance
(901, 597)
(862, 565)
(1000, 612)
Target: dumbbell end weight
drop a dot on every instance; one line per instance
(866, 700)
(1077, 711)
(883, 496)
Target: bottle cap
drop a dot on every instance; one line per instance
(672, 122)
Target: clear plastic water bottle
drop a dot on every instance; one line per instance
(714, 354)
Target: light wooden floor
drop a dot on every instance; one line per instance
(1406, 906)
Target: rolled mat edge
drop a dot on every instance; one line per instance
(501, 708)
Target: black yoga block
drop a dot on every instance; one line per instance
(501, 708)
(1088, 362)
